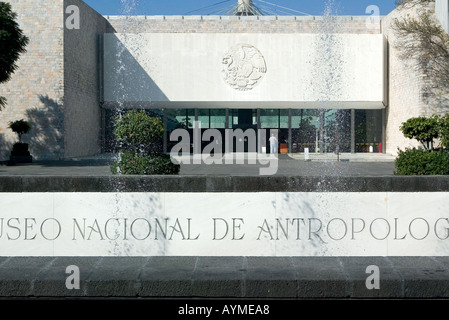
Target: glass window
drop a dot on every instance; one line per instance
(368, 130)
(255, 117)
(337, 130)
(299, 116)
(242, 118)
(269, 118)
(305, 129)
(190, 118)
(283, 118)
(233, 118)
(203, 118)
(217, 118)
(176, 118)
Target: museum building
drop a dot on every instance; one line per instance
(327, 83)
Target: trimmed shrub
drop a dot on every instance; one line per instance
(423, 129)
(141, 137)
(138, 132)
(136, 164)
(422, 162)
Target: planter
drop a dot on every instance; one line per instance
(20, 154)
(20, 159)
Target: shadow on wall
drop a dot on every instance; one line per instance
(437, 99)
(127, 79)
(5, 148)
(128, 85)
(46, 136)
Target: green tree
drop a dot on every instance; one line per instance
(444, 130)
(12, 44)
(423, 129)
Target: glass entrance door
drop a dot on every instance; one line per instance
(243, 119)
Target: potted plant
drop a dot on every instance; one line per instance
(20, 152)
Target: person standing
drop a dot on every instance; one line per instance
(273, 144)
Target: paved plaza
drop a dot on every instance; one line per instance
(288, 165)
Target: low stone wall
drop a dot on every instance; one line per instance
(236, 277)
(224, 216)
(223, 184)
(223, 278)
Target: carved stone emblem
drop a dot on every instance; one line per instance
(243, 67)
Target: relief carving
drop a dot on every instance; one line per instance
(243, 67)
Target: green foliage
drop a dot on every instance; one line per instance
(140, 133)
(136, 164)
(12, 41)
(422, 162)
(12, 44)
(20, 127)
(444, 130)
(429, 161)
(141, 137)
(423, 129)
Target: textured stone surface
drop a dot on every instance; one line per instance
(223, 184)
(36, 90)
(234, 24)
(82, 96)
(406, 91)
(56, 87)
(230, 277)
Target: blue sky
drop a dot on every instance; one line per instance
(205, 7)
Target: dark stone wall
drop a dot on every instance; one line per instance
(223, 184)
(82, 92)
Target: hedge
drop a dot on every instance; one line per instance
(135, 164)
(422, 162)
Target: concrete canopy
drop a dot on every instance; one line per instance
(178, 70)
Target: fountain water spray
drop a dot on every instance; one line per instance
(327, 69)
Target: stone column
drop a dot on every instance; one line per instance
(165, 142)
(290, 138)
(352, 130)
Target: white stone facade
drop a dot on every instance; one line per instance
(442, 13)
(174, 70)
(60, 86)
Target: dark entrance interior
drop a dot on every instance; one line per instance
(244, 119)
(320, 131)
